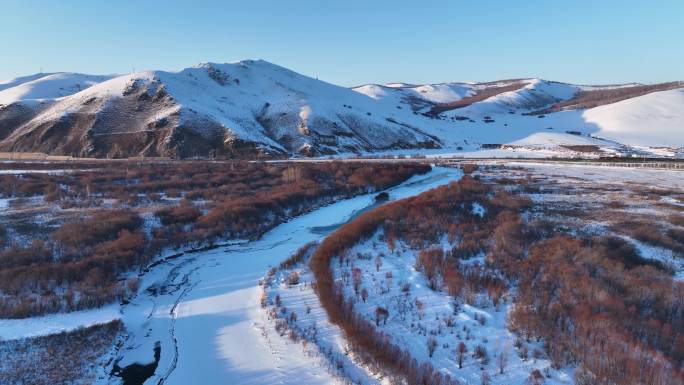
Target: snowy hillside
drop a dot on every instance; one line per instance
(508, 121)
(46, 86)
(418, 96)
(534, 94)
(235, 109)
(258, 109)
(9, 83)
(655, 119)
(493, 97)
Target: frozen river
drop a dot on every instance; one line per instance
(203, 309)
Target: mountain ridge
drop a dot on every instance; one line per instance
(256, 109)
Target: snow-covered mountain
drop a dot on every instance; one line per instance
(501, 95)
(24, 97)
(254, 108)
(47, 86)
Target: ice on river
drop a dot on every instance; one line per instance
(204, 308)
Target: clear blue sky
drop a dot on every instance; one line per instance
(354, 41)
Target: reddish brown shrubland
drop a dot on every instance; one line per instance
(672, 239)
(623, 325)
(596, 303)
(426, 224)
(469, 168)
(184, 212)
(65, 358)
(80, 264)
(75, 240)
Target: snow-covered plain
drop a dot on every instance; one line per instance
(23, 172)
(608, 175)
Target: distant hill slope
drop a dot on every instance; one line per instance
(47, 86)
(253, 109)
(655, 119)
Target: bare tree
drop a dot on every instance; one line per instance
(381, 314)
(356, 279)
(431, 346)
(293, 278)
(535, 378)
(485, 378)
(502, 359)
(461, 352)
(364, 294)
(420, 307)
(481, 354)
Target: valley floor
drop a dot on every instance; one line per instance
(203, 309)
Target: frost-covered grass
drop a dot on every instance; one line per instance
(622, 176)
